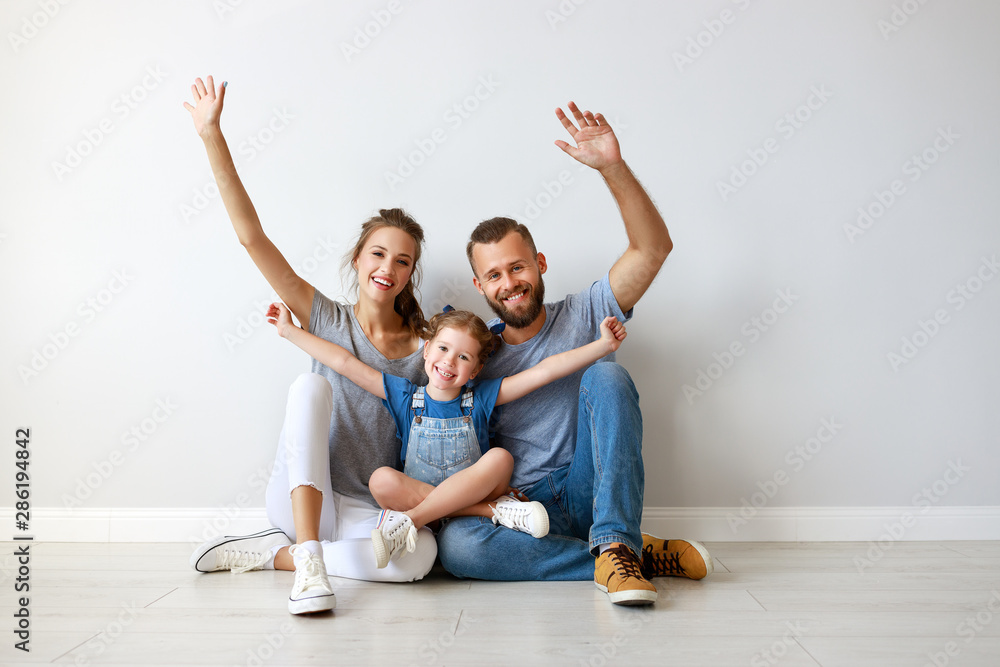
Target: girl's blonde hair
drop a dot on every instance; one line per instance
(468, 321)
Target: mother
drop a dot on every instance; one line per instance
(328, 512)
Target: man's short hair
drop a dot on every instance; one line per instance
(493, 231)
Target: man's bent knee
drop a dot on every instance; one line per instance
(608, 376)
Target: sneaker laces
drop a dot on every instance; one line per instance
(402, 532)
(661, 562)
(241, 561)
(512, 515)
(625, 562)
(310, 573)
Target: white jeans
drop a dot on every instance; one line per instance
(346, 523)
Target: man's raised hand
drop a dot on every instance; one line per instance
(207, 105)
(596, 144)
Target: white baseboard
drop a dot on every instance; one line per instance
(709, 524)
(824, 524)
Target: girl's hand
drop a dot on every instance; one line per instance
(208, 106)
(279, 315)
(613, 333)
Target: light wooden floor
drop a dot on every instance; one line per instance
(767, 604)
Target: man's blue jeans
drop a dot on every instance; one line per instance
(595, 500)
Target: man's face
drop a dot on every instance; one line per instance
(510, 277)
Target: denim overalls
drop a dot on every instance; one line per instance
(438, 448)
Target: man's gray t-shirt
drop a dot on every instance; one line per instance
(539, 430)
(362, 432)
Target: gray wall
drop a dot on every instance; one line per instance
(126, 288)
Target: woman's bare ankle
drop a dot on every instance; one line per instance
(283, 560)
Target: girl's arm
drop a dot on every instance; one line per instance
(292, 289)
(565, 363)
(337, 358)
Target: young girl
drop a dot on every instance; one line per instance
(444, 426)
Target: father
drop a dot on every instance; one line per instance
(576, 442)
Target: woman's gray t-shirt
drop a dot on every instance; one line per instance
(362, 432)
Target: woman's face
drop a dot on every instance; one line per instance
(385, 264)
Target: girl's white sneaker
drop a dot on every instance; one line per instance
(393, 533)
(526, 517)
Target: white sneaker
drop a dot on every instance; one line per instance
(311, 591)
(394, 532)
(526, 517)
(239, 553)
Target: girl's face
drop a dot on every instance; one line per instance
(451, 359)
(385, 264)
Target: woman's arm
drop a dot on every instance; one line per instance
(336, 357)
(292, 289)
(560, 365)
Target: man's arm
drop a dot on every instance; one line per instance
(648, 239)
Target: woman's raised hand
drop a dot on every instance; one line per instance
(207, 105)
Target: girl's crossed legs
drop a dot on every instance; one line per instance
(301, 502)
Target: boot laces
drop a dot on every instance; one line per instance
(662, 563)
(625, 562)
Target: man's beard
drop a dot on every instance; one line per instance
(520, 319)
